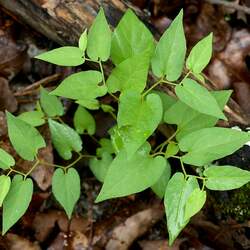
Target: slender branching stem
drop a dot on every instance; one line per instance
(203, 184)
(15, 171)
(152, 87)
(163, 144)
(32, 168)
(183, 168)
(102, 72)
(157, 153)
(197, 177)
(170, 83)
(186, 76)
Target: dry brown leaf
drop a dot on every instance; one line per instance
(136, 225)
(235, 53)
(159, 245)
(242, 95)
(16, 242)
(12, 54)
(75, 241)
(59, 243)
(7, 99)
(3, 124)
(79, 241)
(215, 235)
(43, 174)
(203, 18)
(230, 70)
(44, 223)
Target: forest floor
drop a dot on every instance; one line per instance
(136, 221)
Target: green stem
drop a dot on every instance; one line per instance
(103, 77)
(15, 171)
(48, 164)
(185, 77)
(203, 184)
(170, 83)
(117, 99)
(159, 146)
(197, 177)
(59, 119)
(102, 72)
(69, 165)
(156, 84)
(104, 81)
(183, 168)
(51, 164)
(113, 115)
(176, 157)
(162, 145)
(32, 168)
(152, 87)
(73, 163)
(90, 60)
(94, 139)
(158, 153)
(78, 159)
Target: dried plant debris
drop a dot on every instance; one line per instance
(136, 225)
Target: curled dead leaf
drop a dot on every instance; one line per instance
(16, 242)
(136, 225)
(7, 99)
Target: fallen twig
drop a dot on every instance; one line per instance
(230, 5)
(27, 90)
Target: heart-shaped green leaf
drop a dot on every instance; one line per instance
(130, 38)
(100, 167)
(25, 139)
(65, 139)
(172, 149)
(50, 104)
(66, 188)
(83, 87)
(130, 74)
(200, 55)
(198, 98)
(106, 146)
(127, 176)
(209, 144)
(83, 40)
(194, 203)
(17, 201)
(6, 160)
(170, 51)
(190, 120)
(137, 119)
(226, 177)
(4, 187)
(159, 187)
(99, 38)
(64, 56)
(177, 192)
(83, 120)
(34, 118)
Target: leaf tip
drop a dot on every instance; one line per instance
(4, 231)
(171, 240)
(69, 214)
(180, 15)
(100, 197)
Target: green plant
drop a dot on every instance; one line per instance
(125, 162)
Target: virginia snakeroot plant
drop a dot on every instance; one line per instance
(125, 162)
